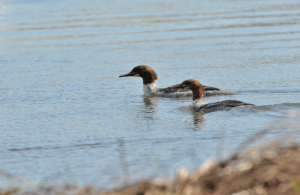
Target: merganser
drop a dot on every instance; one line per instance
(150, 88)
(198, 104)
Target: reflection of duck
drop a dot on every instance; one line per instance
(150, 101)
(198, 118)
(150, 88)
(198, 104)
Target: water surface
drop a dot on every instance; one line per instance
(66, 117)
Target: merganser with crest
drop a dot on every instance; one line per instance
(150, 88)
(198, 104)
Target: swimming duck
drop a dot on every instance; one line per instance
(198, 105)
(150, 88)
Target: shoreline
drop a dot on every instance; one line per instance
(270, 170)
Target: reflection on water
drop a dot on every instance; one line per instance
(198, 120)
(65, 115)
(150, 102)
(150, 109)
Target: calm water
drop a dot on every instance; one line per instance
(66, 117)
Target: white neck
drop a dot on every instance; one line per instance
(150, 89)
(197, 103)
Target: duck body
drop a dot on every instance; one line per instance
(151, 90)
(209, 91)
(198, 92)
(219, 106)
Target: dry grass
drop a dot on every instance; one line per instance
(269, 171)
(254, 172)
(273, 170)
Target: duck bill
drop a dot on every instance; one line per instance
(126, 75)
(176, 86)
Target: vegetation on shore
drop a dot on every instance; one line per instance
(274, 170)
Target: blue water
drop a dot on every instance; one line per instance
(66, 117)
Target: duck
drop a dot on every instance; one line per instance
(198, 92)
(151, 90)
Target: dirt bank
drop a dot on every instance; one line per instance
(265, 171)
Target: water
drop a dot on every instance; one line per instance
(66, 117)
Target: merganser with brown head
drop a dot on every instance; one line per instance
(150, 88)
(198, 105)
(148, 75)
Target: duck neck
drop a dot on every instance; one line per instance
(198, 97)
(198, 93)
(149, 83)
(150, 88)
(147, 77)
(197, 103)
